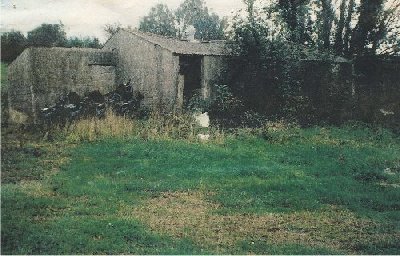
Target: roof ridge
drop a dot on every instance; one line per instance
(178, 46)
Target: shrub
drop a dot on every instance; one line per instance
(224, 107)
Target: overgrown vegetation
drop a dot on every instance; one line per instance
(289, 66)
(155, 127)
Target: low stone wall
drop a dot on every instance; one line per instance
(377, 90)
(365, 89)
(39, 76)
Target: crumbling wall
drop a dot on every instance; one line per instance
(377, 90)
(214, 71)
(169, 82)
(39, 76)
(20, 78)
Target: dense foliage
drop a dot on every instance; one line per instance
(345, 27)
(159, 21)
(46, 35)
(281, 41)
(12, 44)
(194, 13)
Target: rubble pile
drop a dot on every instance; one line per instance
(122, 101)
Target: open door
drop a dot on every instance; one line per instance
(190, 68)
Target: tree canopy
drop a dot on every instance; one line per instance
(159, 21)
(12, 45)
(194, 13)
(46, 35)
(342, 27)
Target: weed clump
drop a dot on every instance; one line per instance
(95, 128)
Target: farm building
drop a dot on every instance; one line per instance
(166, 71)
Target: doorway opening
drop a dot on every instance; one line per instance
(190, 68)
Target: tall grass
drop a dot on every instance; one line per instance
(91, 129)
(156, 127)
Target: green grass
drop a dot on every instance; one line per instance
(291, 191)
(4, 79)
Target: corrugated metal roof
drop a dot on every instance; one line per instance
(177, 46)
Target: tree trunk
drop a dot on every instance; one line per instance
(327, 13)
(347, 25)
(364, 34)
(340, 27)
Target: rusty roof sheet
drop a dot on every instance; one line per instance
(177, 46)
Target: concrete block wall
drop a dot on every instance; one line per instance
(20, 90)
(39, 76)
(152, 70)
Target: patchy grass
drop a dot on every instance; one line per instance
(189, 215)
(25, 157)
(279, 190)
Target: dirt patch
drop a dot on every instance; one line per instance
(191, 215)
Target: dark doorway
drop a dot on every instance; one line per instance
(190, 68)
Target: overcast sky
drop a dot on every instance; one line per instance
(87, 17)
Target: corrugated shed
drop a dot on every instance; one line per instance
(215, 48)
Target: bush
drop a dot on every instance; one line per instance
(224, 107)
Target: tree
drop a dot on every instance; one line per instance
(47, 35)
(159, 21)
(338, 44)
(347, 25)
(194, 12)
(386, 37)
(326, 15)
(111, 29)
(12, 45)
(85, 42)
(295, 13)
(363, 34)
(357, 28)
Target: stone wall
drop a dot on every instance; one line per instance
(366, 89)
(20, 96)
(377, 90)
(39, 76)
(214, 72)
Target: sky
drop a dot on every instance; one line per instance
(88, 17)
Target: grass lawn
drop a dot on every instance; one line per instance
(4, 80)
(296, 191)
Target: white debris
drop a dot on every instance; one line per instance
(203, 137)
(70, 106)
(388, 171)
(385, 112)
(202, 119)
